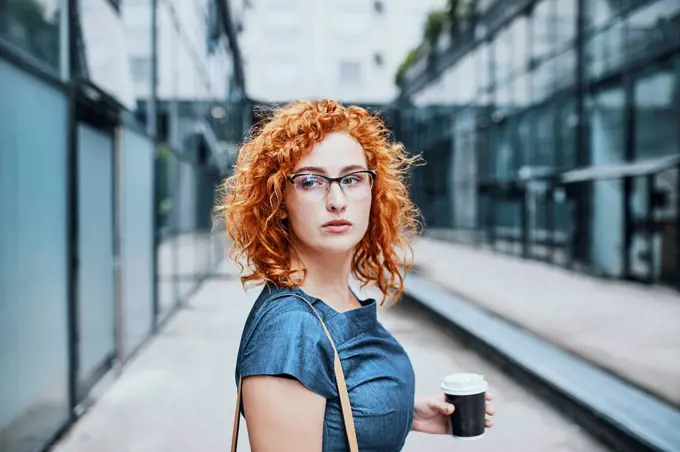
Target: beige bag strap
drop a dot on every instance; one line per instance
(342, 391)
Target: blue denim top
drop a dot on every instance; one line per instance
(284, 337)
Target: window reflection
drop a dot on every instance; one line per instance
(606, 124)
(34, 27)
(566, 21)
(543, 29)
(656, 114)
(105, 51)
(652, 25)
(502, 55)
(605, 50)
(519, 31)
(600, 12)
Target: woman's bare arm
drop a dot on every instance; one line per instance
(282, 415)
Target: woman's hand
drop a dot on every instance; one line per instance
(432, 415)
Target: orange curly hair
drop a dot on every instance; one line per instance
(252, 196)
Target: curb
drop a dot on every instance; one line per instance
(616, 413)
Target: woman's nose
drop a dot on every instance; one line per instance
(336, 200)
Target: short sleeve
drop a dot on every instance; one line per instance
(288, 341)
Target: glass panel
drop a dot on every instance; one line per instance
(665, 216)
(505, 158)
(607, 146)
(545, 140)
(33, 262)
(34, 26)
(95, 250)
(606, 127)
(526, 138)
(502, 55)
(187, 225)
(537, 221)
(482, 67)
(521, 90)
(656, 114)
(519, 31)
(137, 238)
(652, 27)
(605, 51)
(504, 98)
(166, 184)
(542, 81)
(606, 243)
(566, 129)
(638, 250)
(543, 29)
(104, 41)
(564, 70)
(566, 20)
(136, 16)
(601, 12)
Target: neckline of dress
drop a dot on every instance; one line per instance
(367, 304)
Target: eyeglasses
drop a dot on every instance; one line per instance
(315, 187)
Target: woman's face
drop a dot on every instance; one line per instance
(330, 217)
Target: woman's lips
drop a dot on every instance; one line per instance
(337, 226)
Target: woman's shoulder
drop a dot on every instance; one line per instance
(284, 337)
(283, 307)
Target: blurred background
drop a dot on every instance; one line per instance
(550, 259)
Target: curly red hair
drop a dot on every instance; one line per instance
(252, 196)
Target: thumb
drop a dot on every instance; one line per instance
(445, 407)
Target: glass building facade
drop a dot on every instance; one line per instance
(551, 129)
(117, 120)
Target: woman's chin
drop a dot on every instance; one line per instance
(337, 244)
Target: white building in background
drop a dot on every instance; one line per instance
(189, 66)
(344, 49)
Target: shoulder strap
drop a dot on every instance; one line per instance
(339, 379)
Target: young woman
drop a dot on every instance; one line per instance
(318, 195)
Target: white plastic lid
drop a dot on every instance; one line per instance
(464, 384)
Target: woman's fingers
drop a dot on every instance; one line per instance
(488, 423)
(488, 397)
(490, 411)
(445, 408)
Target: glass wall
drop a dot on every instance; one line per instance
(38, 29)
(96, 291)
(108, 170)
(34, 292)
(576, 134)
(136, 237)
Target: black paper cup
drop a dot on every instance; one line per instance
(467, 392)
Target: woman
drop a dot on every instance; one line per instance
(318, 195)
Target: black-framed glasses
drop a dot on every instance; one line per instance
(315, 187)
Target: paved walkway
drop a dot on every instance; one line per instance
(178, 394)
(630, 329)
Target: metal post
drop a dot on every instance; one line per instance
(152, 132)
(72, 217)
(583, 197)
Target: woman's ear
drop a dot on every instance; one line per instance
(283, 213)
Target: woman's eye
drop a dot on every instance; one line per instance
(351, 180)
(310, 182)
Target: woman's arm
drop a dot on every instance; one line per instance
(282, 415)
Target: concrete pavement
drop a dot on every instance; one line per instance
(629, 329)
(178, 393)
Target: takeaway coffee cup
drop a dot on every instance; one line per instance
(466, 391)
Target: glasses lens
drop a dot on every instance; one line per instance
(309, 186)
(357, 185)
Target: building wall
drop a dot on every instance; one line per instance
(188, 68)
(93, 255)
(325, 48)
(540, 102)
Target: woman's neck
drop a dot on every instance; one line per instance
(327, 277)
